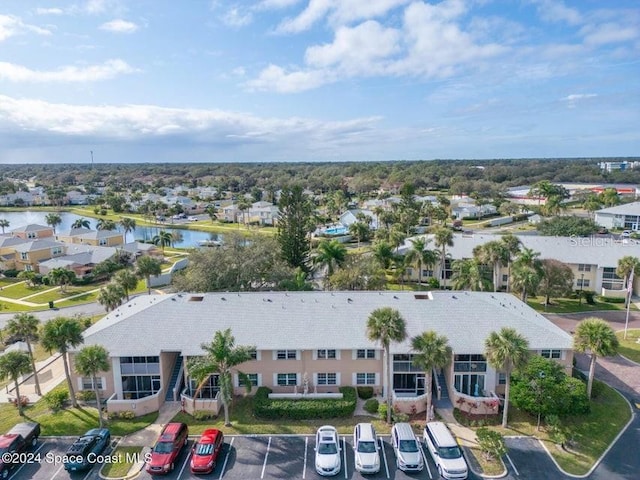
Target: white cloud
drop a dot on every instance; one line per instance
(356, 50)
(236, 17)
(610, 32)
(557, 11)
(72, 74)
(11, 25)
(49, 11)
(276, 4)
(140, 122)
(277, 79)
(573, 99)
(119, 26)
(338, 12)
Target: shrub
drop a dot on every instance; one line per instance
(124, 415)
(55, 399)
(365, 392)
(372, 405)
(304, 409)
(10, 273)
(201, 415)
(491, 443)
(395, 415)
(86, 395)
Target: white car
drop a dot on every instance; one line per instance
(365, 448)
(626, 234)
(327, 451)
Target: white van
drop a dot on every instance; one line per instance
(365, 448)
(445, 451)
(407, 448)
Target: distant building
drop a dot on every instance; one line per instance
(618, 166)
(625, 216)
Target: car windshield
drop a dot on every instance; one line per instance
(366, 447)
(449, 452)
(327, 449)
(163, 447)
(204, 449)
(409, 446)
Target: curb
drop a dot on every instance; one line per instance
(469, 453)
(133, 472)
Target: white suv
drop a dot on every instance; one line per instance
(407, 448)
(365, 448)
(445, 452)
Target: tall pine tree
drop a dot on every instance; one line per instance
(294, 225)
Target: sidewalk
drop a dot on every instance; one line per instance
(148, 435)
(50, 375)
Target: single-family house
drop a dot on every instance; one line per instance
(33, 231)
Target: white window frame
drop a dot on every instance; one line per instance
(324, 354)
(287, 353)
(551, 351)
(326, 379)
(288, 379)
(367, 378)
(84, 381)
(366, 351)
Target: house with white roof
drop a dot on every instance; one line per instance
(319, 338)
(625, 216)
(593, 260)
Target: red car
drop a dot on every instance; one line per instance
(206, 451)
(174, 436)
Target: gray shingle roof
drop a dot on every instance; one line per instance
(625, 209)
(309, 320)
(596, 250)
(32, 227)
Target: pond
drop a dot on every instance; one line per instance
(186, 238)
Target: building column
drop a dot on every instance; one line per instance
(117, 377)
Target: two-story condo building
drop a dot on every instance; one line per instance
(309, 342)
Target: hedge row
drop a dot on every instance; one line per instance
(304, 409)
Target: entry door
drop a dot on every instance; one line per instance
(420, 385)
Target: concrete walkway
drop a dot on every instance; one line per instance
(50, 375)
(148, 435)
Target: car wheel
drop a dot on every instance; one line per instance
(171, 467)
(34, 441)
(439, 471)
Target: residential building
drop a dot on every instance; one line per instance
(32, 231)
(625, 216)
(466, 210)
(98, 238)
(618, 166)
(593, 260)
(311, 342)
(29, 254)
(81, 259)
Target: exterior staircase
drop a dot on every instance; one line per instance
(444, 393)
(174, 378)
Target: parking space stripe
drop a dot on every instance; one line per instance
(424, 457)
(226, 458)
(22, 466)
(304, 465)
(512, 465)
(88, 473)
(57, 471)
(266, 455)
(184, 465)
(344, 455)
(384, 457)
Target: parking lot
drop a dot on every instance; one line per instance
(277, 457)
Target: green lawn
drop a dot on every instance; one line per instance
(570, 305)
(57, 294)
(630, 347)
(120, 469)
(244, 422)
(19, 290)
(69, 421)
(591, 433)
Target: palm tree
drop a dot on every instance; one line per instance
(527, 272)
(61, 276)
(146, 267)
(212, 212)
(25, 326)
(105, 224)
(595, 337)
(383, 253)
(61, 334)
(127, 280)
(431, 351)
(469, 274)
(221, 355)
(512, 246)
(493, 253)
(506, 351)
(53, 220)
(12, 366)
(243, 205)
(626, 265)
(81, 223)
(443, 239)
(330, 254)
(386, 325)
(111, 296)
(4, 223)
(163, 238)
(90, 361)
(417, 254)
(128, 225)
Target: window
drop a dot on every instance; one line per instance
(502, 378)
(326, 354)
(469, 363)
(327, 379)
(139, 386)
(56, 250)
(32, 235)
(286, 355)
(610, 280)
(253, 354)
(24, 256)
(102, 241)
(505, 278)
(87, 383)
(28, 268)
(582, 282)
(286, 379)
(140, 365)
(365, 378)
(584, 267)
(253, 378)
(366, 353)
(551, 354)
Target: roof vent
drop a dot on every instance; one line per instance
(421, 296)
(396, 297)
(349, 300)
(454, 297)
(194, 298)
(223, 299)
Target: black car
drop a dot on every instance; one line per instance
(81, 455)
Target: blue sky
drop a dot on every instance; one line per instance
(317, 80)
